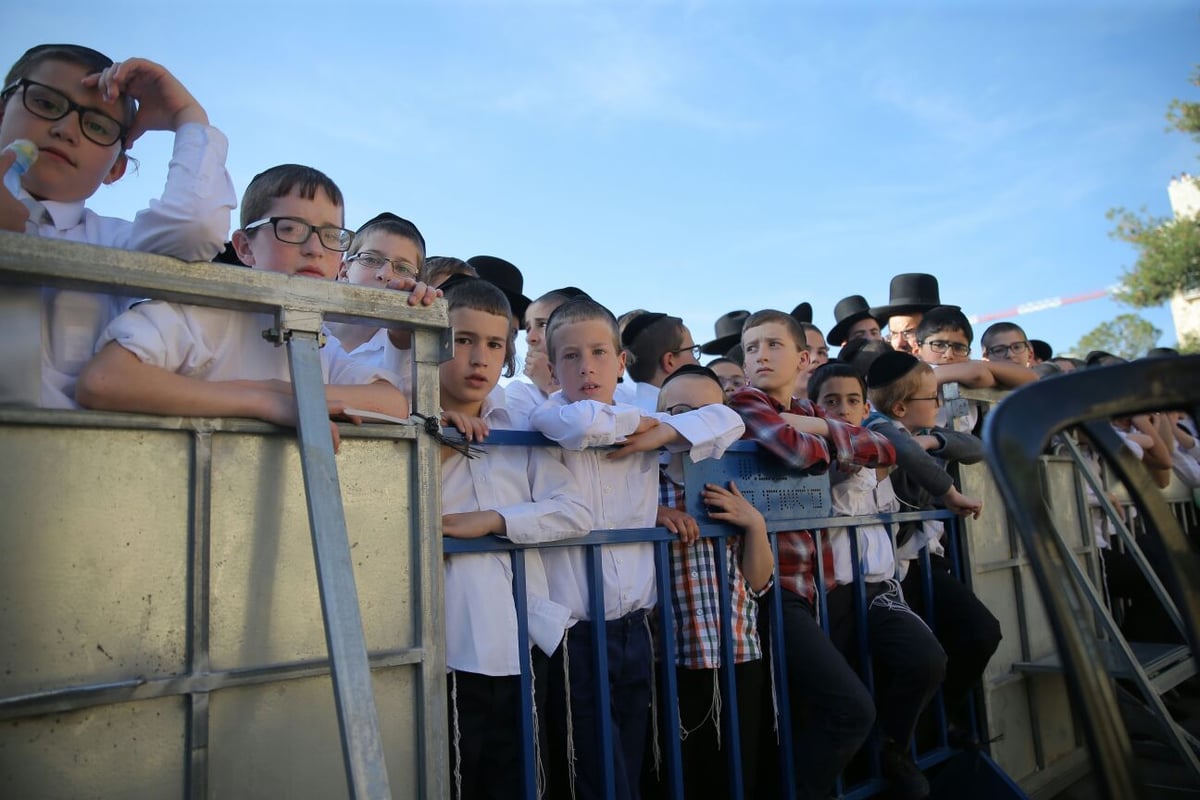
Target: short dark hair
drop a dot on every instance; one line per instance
(944, 318)
(477, 294)
(647, 347)
(580, 309)
(997, 328)
(833, 369)
(439, 269)
(276, 182)
(91, 60)
(773, 315)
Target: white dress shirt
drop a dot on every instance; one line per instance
(621, 494)
(217, 344)
(190, 221)
(540, 501)
(855, 494)
(379, 351)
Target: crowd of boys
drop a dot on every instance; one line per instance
(612, 393)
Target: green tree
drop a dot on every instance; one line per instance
(1128, 336)
(1168, 249)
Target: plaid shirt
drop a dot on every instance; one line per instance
(852, 446)
(694, 598)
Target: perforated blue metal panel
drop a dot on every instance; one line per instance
(773, 489)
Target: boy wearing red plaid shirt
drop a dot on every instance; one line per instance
(832, 709)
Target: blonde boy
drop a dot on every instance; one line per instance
(166, 358)
(621, 490)
(836, 709)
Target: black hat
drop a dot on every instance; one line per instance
(803, 313)
(506, 277)
(388, 216)
(1096, 358)
(728, 328)
(635, 326)
(889, 368)
(1041, 350)
(848, 311)
(1162, 352)
(909, 292)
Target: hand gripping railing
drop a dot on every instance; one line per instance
(300, 306)
(1016, 434)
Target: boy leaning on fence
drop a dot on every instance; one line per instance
(832, 709)
(621, 489)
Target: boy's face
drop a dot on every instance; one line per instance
(902, 332)
(920, 410)
(948, 339)
(402, 252)
(773, 360)
(688, 393)
(864, 329)
(480, 345)
(1008, 339)
(731, 375)
(261, 249)
(70, 167)
(536, 317)
(843, 398)
(818, 351)
(587, 361)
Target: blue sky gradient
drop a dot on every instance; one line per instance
(696, 157)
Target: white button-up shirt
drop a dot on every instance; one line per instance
(540, 501)
(621, 494)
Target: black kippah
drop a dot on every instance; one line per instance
(691, 369)
(889, 368)
(638, 324)
(458, 279)
(570, 292)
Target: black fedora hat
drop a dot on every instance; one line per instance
(910, 292)
(803, 312)
(848, 311)
(507, 278)
(728, 328)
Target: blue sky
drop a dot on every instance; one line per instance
(697, 157)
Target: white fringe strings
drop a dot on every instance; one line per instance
(653, 696)
(457, 736)
(713, 713)
(893, 600)
(570, 721)
(540, 770)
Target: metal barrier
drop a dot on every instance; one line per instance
(142, 651)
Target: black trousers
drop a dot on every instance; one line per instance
(908, 663)
(968, 632)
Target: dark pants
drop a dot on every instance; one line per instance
(832, 711)
(966, 629)
(908, 662)
(488, 729)
(630, 667)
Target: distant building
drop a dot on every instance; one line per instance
(1184, 192)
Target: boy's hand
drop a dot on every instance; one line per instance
(280, 409)
(728, 505)
(13, 213)
(962, 505)
(473, 429)
(537, 369)
(419, 292)
(164, 104)
(679, 523)
(648, 437)
(472, 524)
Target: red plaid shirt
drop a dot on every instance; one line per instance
(852, 446)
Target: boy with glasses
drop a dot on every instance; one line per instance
(166, 358)
(658, 344)
(903, 392)
(1006, 341)
(82, 111)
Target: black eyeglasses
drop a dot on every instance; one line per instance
(937, 398)
(297, 231)
(941, 345)
(49, 103)
(376, 262)
(1002, 350)
(695, 349)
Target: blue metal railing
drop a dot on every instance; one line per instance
(671, 775)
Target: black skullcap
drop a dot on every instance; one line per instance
(690, 369)
(1096, 357)
(457, 279)
(638, 324)
(889, 368)
(570, 292)
(1041, 350)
